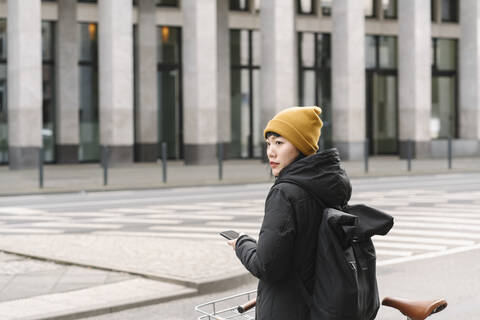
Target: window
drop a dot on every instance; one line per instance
(169, 75)
(239, 5)
(48, 85)
(444, 117)
(389, 9)
(369, 8)
(315, 78)
(3, 93)
(166, 3)
(89, 149)
(247, 140)
(306, 6)
(381, 94)
(326, 7)
(450, 10)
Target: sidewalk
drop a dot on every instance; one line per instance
(72, 276)
(90, 177)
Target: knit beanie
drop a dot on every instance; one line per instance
(299, 125)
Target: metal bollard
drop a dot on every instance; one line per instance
(105, 160)
(41, 157)
(449, 152)
(366, 153)
(164, 162)
(220, 161)
(409, 155)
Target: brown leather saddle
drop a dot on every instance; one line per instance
(415, 310)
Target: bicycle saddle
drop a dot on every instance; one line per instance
(415, 310)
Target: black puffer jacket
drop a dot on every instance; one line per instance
(285, 252)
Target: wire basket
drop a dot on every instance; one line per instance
(227, 308)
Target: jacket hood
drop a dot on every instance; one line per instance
(321, 175)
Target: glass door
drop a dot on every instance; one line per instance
(382, 113)
(442, 121)
(169, 111)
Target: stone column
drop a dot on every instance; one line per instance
(470, 71)
(200, 81)
(415, 76)
(116, 78)
(278, 75)
(67, 104)
(348, 78)
(224, 104)
(146, 126)
(24, 83)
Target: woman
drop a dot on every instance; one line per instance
(283, 258)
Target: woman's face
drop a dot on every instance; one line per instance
(280, 153)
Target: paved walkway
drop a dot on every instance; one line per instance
(90, 177)
(78, 275)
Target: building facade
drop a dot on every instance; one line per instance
(131, 75)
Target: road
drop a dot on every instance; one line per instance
(429, 252)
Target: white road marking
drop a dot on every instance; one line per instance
(438, 219)
(160, 235)
(199, 229)
(136, 220)
(29, 230)
(20, 210)
(235, 224)
(432, 213)
(433, 233)
(181, 215)
(442, 241)
(409, 246)
(73, 225)
(450, 226)
(395, 253)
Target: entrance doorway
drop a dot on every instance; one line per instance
(382, 112)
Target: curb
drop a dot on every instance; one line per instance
(202, 287)
(351, 174)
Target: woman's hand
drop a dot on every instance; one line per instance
(233, 243)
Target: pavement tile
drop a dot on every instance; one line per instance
(106, 297)
(190, 261)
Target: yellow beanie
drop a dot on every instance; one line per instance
(299, 125)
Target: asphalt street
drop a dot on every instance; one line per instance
(430, 252)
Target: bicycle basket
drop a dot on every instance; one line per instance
(226, 308)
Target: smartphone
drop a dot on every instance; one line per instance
(229, 234)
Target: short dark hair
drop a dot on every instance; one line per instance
(271, 133)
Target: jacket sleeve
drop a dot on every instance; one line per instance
(270, 259)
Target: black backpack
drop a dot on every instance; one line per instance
(345, 281)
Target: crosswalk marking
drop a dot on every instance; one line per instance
(438, 219)
(433, 233)
(437, 226)
(396, 253)
(409, 246)
(443, 241)
(426, 221)
(198, 229)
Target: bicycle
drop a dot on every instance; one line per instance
(233, 308)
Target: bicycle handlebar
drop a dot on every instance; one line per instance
(247, 306)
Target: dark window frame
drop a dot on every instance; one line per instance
(250, 67)
(393, 17)
(318, 69)
(169, 66)
(449, 73)
(312, 12)
(232, 8)
(369, 72)
(454, 16)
